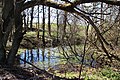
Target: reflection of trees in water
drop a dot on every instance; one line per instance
(43, 58)
(43, 55)
(38, 54)
(25, 57)
(48, 58)
(31, 52)
(28, 54)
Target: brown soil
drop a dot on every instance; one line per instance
(18, 73)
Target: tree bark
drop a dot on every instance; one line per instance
(18, 36)
(57, 25)
(64, 25)
(43, 26)
(49, 26)
(38, 23)
(5, 26)
(31, 22)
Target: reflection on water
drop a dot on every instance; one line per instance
(49, 57)
(43, 58)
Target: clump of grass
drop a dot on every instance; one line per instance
(94, 74)
(111, 74)
(103, 74)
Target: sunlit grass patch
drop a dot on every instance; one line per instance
(20, 51)
(91, 74)
(69, 75)
(105, 73)
(30, 34)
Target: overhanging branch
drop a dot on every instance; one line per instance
(112, 2)
(65, 7)
(69, 6)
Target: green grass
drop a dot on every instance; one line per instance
(68, 74)
(110, 74)
(31, 34)
(80, 30)
(20, 51)
(103, 74)
(93, 74)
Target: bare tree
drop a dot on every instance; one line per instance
(43, 26)
(31, 21)
(49, 25)
(38, 23)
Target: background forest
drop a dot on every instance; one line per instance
(60, 39)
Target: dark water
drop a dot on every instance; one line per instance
(49, 57)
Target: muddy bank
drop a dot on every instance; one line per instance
(30, 73)
(17, 73)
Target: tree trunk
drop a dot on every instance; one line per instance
(2, 54)
(27, 23)
(5, 26)
(49, 26)
(18, 36)
(31, 22)
(43, 26)
(2, 50)
(57, 26)
(64, 25)
(38, 23)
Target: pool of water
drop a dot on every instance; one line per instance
(43, 58)
(49, 57)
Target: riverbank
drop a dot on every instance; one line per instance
(88, 73)
(60, 72)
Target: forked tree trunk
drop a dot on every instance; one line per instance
(6, 12)
(18, 36)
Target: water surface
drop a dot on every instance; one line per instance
(49, 57)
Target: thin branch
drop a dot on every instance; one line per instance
(83, 57)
